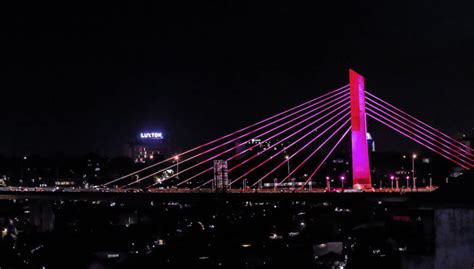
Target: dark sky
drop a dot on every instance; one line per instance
(81, 78)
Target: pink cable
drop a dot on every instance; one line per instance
(309, 156)
(217, 155)
(454, 141)
(327, 156)
(278, 134)
(294, 154)
(416, 140)
(335, 92)
(369, 108)
(289, 146)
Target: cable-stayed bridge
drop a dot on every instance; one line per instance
(257, 158)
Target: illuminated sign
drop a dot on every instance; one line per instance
(151, 135)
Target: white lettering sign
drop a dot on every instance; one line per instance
(152, 135)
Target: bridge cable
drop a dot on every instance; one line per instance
(331, 94)
(454, 141)
(308, 157)
(302, 148)
(310, 178)
(372, 109)
(283, 140)
(414, 139)
(417, 128)
(295, 142)
(340, 99)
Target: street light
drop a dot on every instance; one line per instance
(343, 178)
(288, 163)
(408, 183)
(391, 181)
(176, 158)
(328, 184)
(413, 157)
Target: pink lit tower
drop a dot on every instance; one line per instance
(360, 150)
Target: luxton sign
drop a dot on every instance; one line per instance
(151, 135)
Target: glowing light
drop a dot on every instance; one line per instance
(413, 156)
(392, 177)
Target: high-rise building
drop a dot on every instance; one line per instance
(147, 146)
(370, 142)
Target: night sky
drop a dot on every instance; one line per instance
(80, 78)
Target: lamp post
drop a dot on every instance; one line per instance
(328, 184)
(176, 158)
(391, 182)
(413, 157)
(288, 163)
(343, 178)
(21, 167)
(408, 182)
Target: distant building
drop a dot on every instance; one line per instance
(467, 139)
(370, 142)
(146, 147)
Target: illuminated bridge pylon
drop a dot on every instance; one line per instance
(360, 150)
(291, 147)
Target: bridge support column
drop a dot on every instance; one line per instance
(360, 150)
